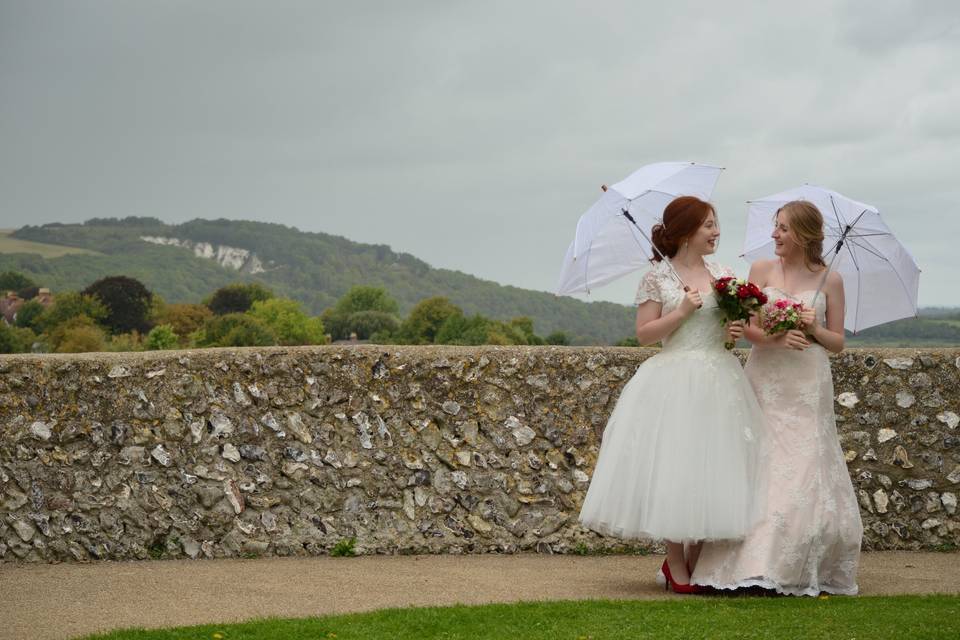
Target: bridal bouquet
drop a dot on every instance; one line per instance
(780, 315)
(738, 300)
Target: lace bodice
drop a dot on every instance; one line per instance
(704, 330)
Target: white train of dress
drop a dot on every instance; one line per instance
(809, 539)
(679, 455)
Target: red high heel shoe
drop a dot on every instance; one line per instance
(675, 586)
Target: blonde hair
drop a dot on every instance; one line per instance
(806, 223)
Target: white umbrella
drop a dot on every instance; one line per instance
(613, 236)
(880, 277)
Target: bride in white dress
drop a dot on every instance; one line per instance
(678, 459)
(809, 539)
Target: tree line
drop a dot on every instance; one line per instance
(119, 313)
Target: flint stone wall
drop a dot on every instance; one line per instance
(288, 451)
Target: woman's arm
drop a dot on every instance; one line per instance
(830, 336)
(652, 327)
(752, 331)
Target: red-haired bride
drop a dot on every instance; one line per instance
(678, 459)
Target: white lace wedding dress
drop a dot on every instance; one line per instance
(809, 539)
(679, 455)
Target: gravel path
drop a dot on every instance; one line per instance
(67, 600)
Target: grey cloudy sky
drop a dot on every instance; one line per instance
(474, 134)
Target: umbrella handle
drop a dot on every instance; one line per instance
(686, 289)
(626, 214)
(836, 252)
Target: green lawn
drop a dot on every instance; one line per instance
(15, 245)
(837, 618)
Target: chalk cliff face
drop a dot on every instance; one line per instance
(229, 257)
(288, 451)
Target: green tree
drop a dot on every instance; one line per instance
(128, 303)
(425, 320)
(288, 321)
(235, 330)
(476, 330)
(28, 315)
(364, 298)
(14, 281)
(184, 319)
(120, 342)
(78, 334)
(237, 298)
(458, 329)
(368, 323)
(524, 326)
(15, 339)
(71, 305)
(29, 293)
(558, 338)
(362, 310)
(162, 337)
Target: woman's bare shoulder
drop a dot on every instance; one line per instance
(761, 268)
(834, 279)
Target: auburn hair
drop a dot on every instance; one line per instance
(806, 224)
(681, 219)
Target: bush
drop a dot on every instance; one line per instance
(128, 303)
(288, 321)
(15, 339)
(425, 320)
(521, 331)
(235, 330)
(132, 341)
(68, 306)
(77, 335)
(162, 337)
(28, 315)
(364, 311)
(477, 330)
(237, 298)
(184, 319)
(367, 323)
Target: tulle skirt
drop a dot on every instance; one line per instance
(679, 458)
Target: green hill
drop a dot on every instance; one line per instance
(9, 244)
(315, 268)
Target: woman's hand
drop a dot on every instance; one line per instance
(734, 330)
(808, 321)
(691, 302)
(795, 339)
